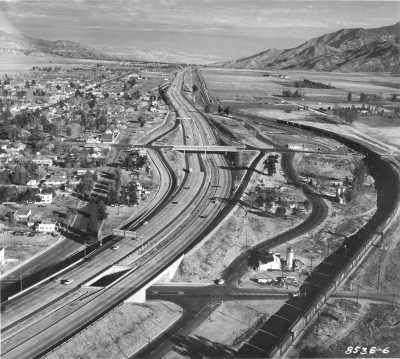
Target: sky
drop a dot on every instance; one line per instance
(196, 30)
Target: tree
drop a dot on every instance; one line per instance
(85, 185)
(19, 175)
(394, 97)
(227, 110)
(141, 121)
(363, 97)
(349, 96)
(101, 211)
(195, 88)
(68, 131)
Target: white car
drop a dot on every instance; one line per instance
(66, 281)
(220, 281)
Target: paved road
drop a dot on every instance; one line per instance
(207, 303)
(174, 230)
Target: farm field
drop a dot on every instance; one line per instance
(375, 96)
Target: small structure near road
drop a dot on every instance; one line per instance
(269, 261)
(46, 227)
(2, 255)
(22, 215)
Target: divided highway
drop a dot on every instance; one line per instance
(45, 317)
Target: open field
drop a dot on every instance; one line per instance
(224, 330)
(247, 91)
(19, 249)
(232, 321)
(229, 84)
(121, 332)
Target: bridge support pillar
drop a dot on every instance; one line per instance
(164, 277)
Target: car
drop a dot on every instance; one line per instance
(114, 247)
(220, 281)
(264, 280)
(66, 281)
(174, 202)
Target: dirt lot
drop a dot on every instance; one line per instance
(346, 323)
(120, 333)
(232, 322)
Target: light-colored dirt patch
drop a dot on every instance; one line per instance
(19, 249)
(387, 134)
(120, 333)
(279, 114)
(232, 322)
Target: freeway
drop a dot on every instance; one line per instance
(206, 304)
(174, 230)
(200, 305)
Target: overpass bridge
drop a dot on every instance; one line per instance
(239, 148)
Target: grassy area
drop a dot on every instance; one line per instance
(120, 333)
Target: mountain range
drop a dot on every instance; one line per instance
(19, 44)
(369, 50)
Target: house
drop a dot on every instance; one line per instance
(32, 183)
(56, 181)
(45, 197)
(43, 161)
(22, 215)
(107, 138)
(143, 152)
(269, 262)
(46, 227)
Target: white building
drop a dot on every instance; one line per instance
(22, 215)
(43, 161)
(32, 183)
(272, 262)
(45, 198)
(46, 227)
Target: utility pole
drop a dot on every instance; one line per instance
(358, 292)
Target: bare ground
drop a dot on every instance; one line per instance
(121, 332)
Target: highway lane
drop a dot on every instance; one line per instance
(190, 321)
(234, 272)
(237, 268)
(109, 296)
(48, 292)
(214, 292)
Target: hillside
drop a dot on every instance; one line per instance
(344, 50)
(26, 45)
